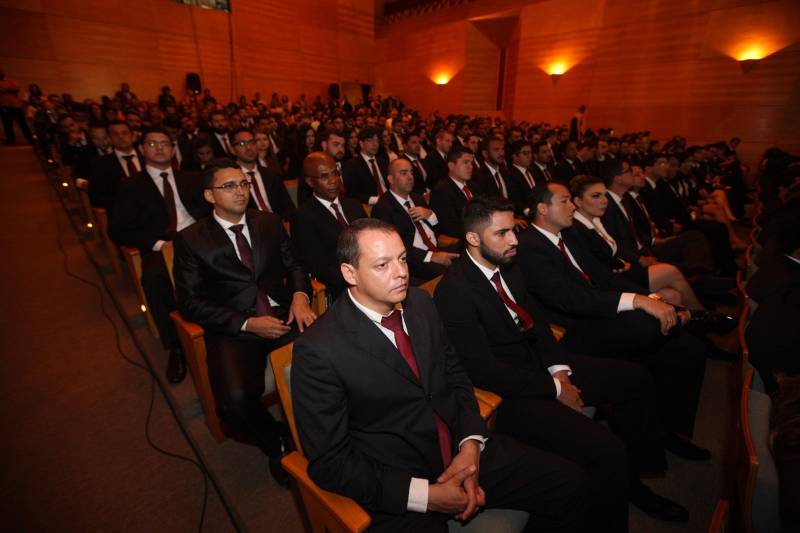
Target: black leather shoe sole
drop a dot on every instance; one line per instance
(660, 507)
(686, 449)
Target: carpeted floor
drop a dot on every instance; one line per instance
(76, 456)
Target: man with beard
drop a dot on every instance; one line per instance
(504, 341)
(220, 143)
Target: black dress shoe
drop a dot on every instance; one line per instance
(657, 506)
(285, 446)
(176, 366)
(685, 448)
(705, 321)
(280, 475)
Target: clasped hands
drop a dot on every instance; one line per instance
(457, 492)
(271, 327)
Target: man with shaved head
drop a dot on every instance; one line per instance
(316, 224)
(415, 222)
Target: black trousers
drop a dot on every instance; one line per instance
(236, 367)
(677, 361)
(160, 295)
(11, 115)
(554, 491)
(610, 459)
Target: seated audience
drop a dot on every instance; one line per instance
(109, 169)
(236, 276)
(436, 159)
(381, 349)
(450, 195)
(413, 147)
(219, 139)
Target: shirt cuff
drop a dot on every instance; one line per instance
(427, 257)
(526, 211)
(625, 302)
(558, 386)
(432, 220)
(418, 495)
(304, 294)
(157, 246)
(373, 200)
(244, 326)
(481, 441)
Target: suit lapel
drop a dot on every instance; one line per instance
(488, 292)
(220, 241)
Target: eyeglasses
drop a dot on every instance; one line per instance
(231, 186)
(162, 144)
(244, 143)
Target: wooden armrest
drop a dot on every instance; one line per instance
(446, 241)
(193, 330)
(558, 331)
(485, 410)
(489, 398)
(351, 515)
(130, 251)
(317, 286)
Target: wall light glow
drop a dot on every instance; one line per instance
(442, 78)
(558, 68)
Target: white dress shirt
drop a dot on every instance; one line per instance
(432, 220)
(262, 189)
(124, 163)
(625, 299)
(374, 199)
(184, 218)
(489, 274)
(418, 488)
(328, 205)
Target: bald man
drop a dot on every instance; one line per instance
(316, 224)
(415, 222)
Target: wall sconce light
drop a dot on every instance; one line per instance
(750, 55)
(556, 70)
(748, 64)
(442, 79)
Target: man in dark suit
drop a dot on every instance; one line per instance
(505, 344)
(181, 141)
(381, 349)
(520, 179)
(109, 169)
(542, 158)
(150, 208)
(267, 190)
(567, 167)
(316, 225)
(235, 275)
(333, 143)
(489, 179)
(605, 322)
(436, 160)
(415, 222)
(218, 138)
(413, 144)
(365, 175)
(451, 194)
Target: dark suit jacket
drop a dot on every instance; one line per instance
(315, 231)
(276, 193)
(518, 189)
(483, 182)
(389, 210)
(640, 220)
(217, 147)
(359, 182)
(447, 201)
(347, 375)
(634, 280)
(216, 290)
(140, 216)
(619, 228)
(495, 353)
(565, 172)
(671, 205)
(538, 174)
(436, 167)
(105, 177)
(558, 285)
(419, 179)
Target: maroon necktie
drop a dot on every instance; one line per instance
(257, 192)
(631, 225)
(563, 249)
(467, 192)
(169, 201)
(263, 307)
(417, 224)
(394, 322)
(653, 227)
(499, 184)
(531, 181)
(129, 163)
(376, 176)
(339, 217)
(418, 167)
(525, 320)
(547, 175)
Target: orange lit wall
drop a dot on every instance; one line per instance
(87, 47)
(661, 65)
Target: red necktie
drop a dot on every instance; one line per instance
(257, 192)
(169, 201)
(129, 163)
(339, 217)
(499, 184)
(631, 225)
(563, 249)
(418, 167)
(263, 307)
(547, 175)
(531, 181)
(376, 176)
(394, 322)
(653, 227)
(417, 224)
(525, 320)
(467, 192)
(227, 143)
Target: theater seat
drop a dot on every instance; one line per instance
(331, 512)
(134, 261)
(101, 218)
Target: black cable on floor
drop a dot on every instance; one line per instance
(143, 367)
